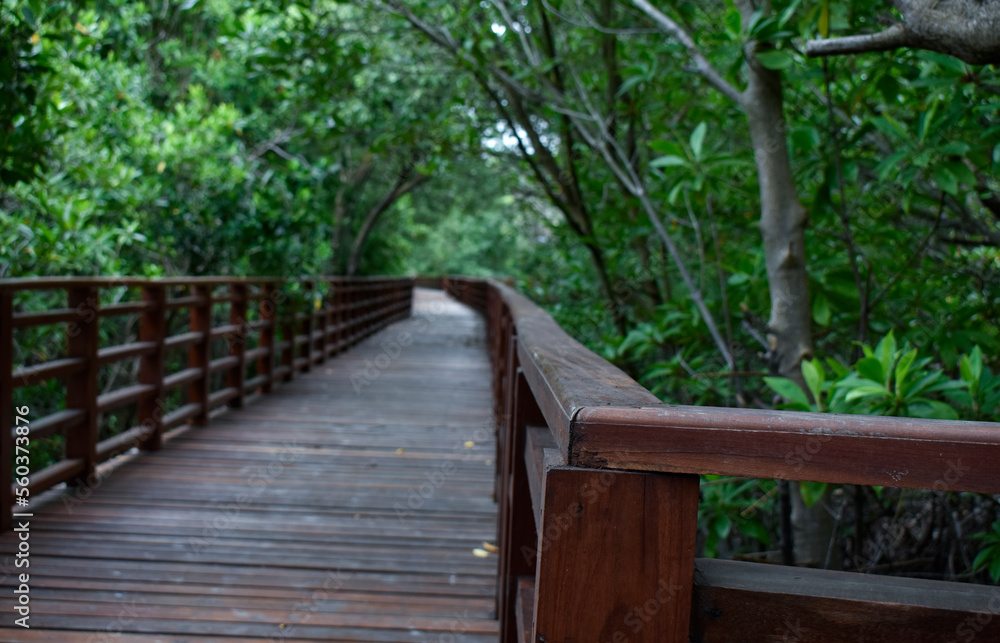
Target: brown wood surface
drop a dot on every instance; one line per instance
(316, 513)
(849, 449)
(564, 375)
(615, 556)
(737, 601)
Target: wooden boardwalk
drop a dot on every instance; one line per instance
(344, 507)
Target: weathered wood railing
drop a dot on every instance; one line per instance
(270, 330)
(598, 489)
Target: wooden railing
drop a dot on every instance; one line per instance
(241, 336)
(598, 486)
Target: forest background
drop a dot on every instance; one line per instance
(730, 220)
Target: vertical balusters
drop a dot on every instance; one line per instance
(153, 328)
(82, 386)
(200, 353)
(267, 309)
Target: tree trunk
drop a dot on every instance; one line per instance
(782, 225)
(402, 187)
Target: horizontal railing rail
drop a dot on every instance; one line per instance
(598, 487)
(243, 335)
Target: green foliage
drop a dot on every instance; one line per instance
(989, 557)
(890, 380)
(729, 502)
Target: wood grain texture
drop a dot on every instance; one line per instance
(317, 513)
(850, 449)
(736, 601)
(615, 557)
(564, 375)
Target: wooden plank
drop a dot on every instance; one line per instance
(126, 308)
(737, 601)
(517, 531)
(181, 415)
(538, 439)
(83, 339)
(352, 518)
(152, 367)
(200, 352)
(44, 318)
(525, 608)
(127, 395)
(59, 422)
(31, 375)
(181, 378)
(615, 556)
(125, 351)
(564, 375)
(850, 449)
(184, 339)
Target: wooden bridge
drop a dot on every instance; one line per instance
(258, 481)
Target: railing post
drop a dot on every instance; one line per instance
(236, 376)
(82, 386)
(153, 328)
(322, 320)
(267, 308)
(516, 518)
(306, 327)
(615, 556)
(6, 408)
(288, 338)
(200, 353)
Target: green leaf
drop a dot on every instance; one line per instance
(838, 369)
(821, 310)
(788, 389)
(814, 375)
(885, 351)
(824, 20)
(698, 139)
(733, 23)
(756, 530)
(776, 60)
(903, 367)
(887, 125)
(870, 368)
(867, 390)
(811, 492)
(945, 180)
(668, 161)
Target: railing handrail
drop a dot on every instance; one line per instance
(598, 494)
(602, 418)
(348, 309)
(56, 283)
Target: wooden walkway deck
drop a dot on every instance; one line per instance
(316, 513)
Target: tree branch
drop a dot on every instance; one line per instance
(701, 64)
(892, 38)
(966, 29)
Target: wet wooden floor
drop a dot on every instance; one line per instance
(343, 507)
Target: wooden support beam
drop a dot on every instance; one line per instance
(615, 556)
(153, 328)
(267, 309)
(516, 520)
(82, 387)
(200, 352)
(236, 375)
